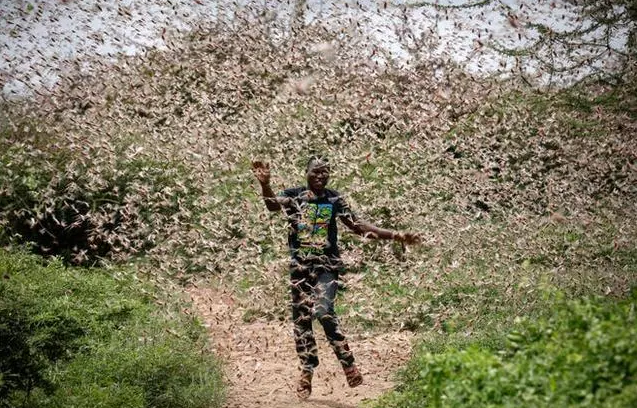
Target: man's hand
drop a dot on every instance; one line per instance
(261, 171)
(408, 238)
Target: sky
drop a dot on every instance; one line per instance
(41, 40)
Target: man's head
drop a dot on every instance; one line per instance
(318, 173)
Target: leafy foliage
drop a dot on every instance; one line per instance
(85, 210)
(582, 354)
(87, 338)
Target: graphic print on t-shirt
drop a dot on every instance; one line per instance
(312, 229)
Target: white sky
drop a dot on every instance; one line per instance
(41, 39)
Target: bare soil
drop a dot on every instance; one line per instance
(261, 365)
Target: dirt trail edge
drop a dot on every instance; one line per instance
(261, 365)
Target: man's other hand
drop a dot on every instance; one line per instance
(408, 238)
(261, 171)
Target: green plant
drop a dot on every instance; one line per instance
(72, 337)
(84, 208)
(582, 353)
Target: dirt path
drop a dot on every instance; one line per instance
(262, 367)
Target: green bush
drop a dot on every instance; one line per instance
(584, 355)
(87, 338)
(83, 205)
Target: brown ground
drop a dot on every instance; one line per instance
(261, 366)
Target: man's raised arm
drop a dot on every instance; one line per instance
(262, 173)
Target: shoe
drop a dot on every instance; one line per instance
(304, 386)
(354, 377)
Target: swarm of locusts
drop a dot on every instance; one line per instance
(149, 159)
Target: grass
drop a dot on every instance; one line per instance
(87, 338)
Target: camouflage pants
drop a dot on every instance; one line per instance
(313, 288)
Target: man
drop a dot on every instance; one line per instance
(315, 262)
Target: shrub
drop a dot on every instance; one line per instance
(83, 205)
(584, 355)
(86, 338)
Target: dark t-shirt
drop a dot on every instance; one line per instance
(313, 228)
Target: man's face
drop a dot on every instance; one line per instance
(318, 175)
